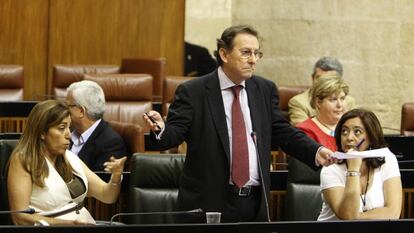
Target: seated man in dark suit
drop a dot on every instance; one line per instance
(92, 139)
(197, 60)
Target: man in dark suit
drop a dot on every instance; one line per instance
(202, 114)
(92, 138)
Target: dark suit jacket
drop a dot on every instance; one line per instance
(197, 116)
(197, 60)
(103, 143)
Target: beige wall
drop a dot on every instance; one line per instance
(374, 39)
(206, 20)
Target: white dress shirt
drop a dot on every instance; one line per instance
(228, 96)
(79, 140)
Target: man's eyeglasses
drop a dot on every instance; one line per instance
(246, 54)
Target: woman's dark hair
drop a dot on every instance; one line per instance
(227, 37)
(373, 129)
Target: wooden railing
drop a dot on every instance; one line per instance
(277, 205)
(407, 205)
(104, 212)
(12, 124)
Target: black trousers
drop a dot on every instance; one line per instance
(241, 207)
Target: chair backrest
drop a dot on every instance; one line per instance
(303, 196)
(64, 75)
(131, 133)
(285, 94)
(407, 119)
(11, 83)
(153, 186)
(153, 66)
(170, 85)
(133, 136)
(6, 148)
(128, 96)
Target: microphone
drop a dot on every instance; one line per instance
(25, 211)
(254, 137)
(192, 212)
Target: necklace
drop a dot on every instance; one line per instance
(331, 131)
(364, 196)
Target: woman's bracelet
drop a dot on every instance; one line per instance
(120, 181)
(353, 173)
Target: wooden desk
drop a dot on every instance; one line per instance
(394, 226)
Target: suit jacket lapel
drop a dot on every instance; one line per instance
(255, 103)
(89, 146)
(257, 108)
(216, 108)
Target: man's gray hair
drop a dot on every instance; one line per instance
(328, 64)
(89, 95)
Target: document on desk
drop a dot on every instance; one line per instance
(363, 154)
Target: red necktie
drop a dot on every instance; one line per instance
(240, 158)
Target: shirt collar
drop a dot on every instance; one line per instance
(225, 82)
(81, 139)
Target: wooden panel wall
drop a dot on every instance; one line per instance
(24, 41)
(41, 33)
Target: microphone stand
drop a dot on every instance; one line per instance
(254, 137)
(195, 212)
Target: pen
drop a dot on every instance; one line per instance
(153, 120)
(360, 143)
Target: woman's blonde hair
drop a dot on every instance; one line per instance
(325, 86)
(31, 147)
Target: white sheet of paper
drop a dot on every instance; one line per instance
(363, 154)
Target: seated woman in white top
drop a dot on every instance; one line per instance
(45, 176)
(367, 188)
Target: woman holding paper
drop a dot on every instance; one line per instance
(357, 188)
(45, 176)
